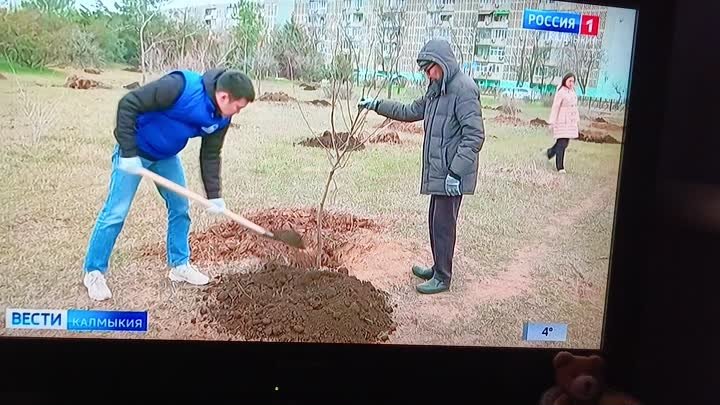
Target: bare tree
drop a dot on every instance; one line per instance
(145, 16)
(264, 61)
(519, 56)
(620, 91)
(585, 55)
(341, 146)
(390, 31)
(463, 40)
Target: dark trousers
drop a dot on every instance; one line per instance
(557, 151)
(443, 222)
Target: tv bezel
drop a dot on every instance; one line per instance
(361, 369)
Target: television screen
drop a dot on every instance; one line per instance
(338, 171)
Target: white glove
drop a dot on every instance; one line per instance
(218, 206)
(130, 165)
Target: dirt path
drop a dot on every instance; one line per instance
(444, 318)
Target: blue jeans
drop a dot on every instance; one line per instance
(117, 205)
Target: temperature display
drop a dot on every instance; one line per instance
(545, 332)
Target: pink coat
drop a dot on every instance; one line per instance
(564, 115)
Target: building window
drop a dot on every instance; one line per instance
(445, 18)
(358, 18)
(209, 11)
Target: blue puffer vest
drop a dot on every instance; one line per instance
(163, 134)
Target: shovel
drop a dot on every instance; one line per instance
(289, 237)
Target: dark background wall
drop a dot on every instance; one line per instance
(670, 355)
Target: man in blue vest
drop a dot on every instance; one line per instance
(155, 123)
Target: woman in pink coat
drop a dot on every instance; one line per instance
(564, 117)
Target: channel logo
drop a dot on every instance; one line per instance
(77, 320)
(559, 21)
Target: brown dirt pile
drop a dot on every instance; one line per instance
(342, 139)
(131, 86)
(280, 303)
(606, 126)
(507, 109)
(408, 127)
(387, 137)
(230, 242)
(589, 135)
(2, 77)
(92, 71)
(308, 87)
(320, 103)
(508, 120)
(278, 97)
(75, 82)
(539, 122)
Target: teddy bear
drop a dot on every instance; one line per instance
(580, 380)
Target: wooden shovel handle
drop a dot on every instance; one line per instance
(161, 181)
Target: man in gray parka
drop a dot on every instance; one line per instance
(454, 135)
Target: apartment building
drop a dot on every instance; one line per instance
(487, 35)
(219, 16)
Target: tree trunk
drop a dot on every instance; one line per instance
(245, 55)
(521, 69)
(321, 207)
(142, 54)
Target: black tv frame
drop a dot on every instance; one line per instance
(279, 369)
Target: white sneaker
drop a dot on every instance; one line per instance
(186, 272)
(562, 171)
(96, 286)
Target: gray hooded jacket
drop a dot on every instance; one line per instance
(454, 131)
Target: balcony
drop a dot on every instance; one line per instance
(491, 23)
(436, 7)
(489, 6)
(490, 58)
(499, 42)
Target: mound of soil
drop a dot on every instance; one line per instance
(326, 141)
(307, 87)
(92, 71)
(2, 77)
(606, 126)
(279, 97)
(134, 69)
(508, 120)
(589, 135)
(284, 304)
(408, 127)
(506, 109)
(320, 103)
(75, 82)
(131, 86)
(600, 119)
(539, 122)
(230, 242)
(387, 137)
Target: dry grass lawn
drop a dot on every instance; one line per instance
(533, 245)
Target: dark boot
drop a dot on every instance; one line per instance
(425, 273)
(432, 286)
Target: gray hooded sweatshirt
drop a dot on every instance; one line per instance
(452, 118)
